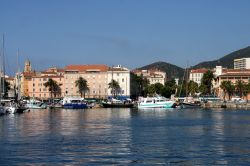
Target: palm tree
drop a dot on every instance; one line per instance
(115, 87)
(228, 88)
(246, 90)
(82, 85)
(240, 86)
(54, 88)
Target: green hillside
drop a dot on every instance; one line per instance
(172, 71)
(226, 61)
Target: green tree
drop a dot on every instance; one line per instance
(239, 87)
(228, 88)
(53, 86)
(206, 82)
(115, 87)
(158, 88)
(151, 90)
(169, 88)
(82, 85)
(246, 88)
(193, 88)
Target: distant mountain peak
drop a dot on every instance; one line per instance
(171, 70)
(227, 60)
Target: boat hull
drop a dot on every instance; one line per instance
(190, 105)
(118, 105)
(156, 105)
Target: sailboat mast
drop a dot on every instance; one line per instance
(3, 70)
(18, 76)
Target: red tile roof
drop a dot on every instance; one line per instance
(84, 68)
(198, 70)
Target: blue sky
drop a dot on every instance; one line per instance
(132, 33)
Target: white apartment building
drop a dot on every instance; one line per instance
(122, 76)
(196, 75)
(242, 63)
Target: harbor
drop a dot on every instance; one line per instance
(125, 136)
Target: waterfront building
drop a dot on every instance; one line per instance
(153, 75)
(122, 76)
(232, 75)
(95, 75)
(36, 83)
(196, 75)
(242, 63)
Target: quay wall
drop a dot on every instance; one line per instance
(231, 105)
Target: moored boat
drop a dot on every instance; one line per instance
(115, 103)
(35, 104)
(155, 102)
(190, 102)
(74, 103)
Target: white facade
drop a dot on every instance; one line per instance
(243, 63)
(196, 75)
(122, 76)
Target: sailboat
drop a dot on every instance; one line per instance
(6, 105)
(189, 101)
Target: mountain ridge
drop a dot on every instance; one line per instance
(174, 71)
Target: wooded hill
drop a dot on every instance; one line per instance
(174, 71)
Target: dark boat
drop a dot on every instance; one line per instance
(190, 105)
(114, 103)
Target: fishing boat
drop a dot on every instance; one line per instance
(74, 103)
(190, 102)
(155, 102)
(115, 103)
(35, 104)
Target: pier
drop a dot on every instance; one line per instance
(231, 105)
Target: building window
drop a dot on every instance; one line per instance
(44, 94)
(34, 90)
(40, 89)
(123, 80)
(44, 79)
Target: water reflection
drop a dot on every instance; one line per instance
(125, 136)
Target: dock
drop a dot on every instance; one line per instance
(230, 105)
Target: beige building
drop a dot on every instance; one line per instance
(232, 75)
(95, 75)
(36, 86)
(122, 76)
(154, 76)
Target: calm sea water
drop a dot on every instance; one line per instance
(125, 137)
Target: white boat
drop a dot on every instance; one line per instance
(35, 104)
(155, 102)
(7, 107)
